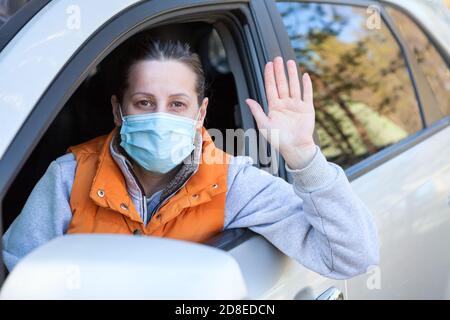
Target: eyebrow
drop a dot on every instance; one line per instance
(172, 95)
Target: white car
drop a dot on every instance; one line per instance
(382, 99)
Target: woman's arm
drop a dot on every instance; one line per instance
(319, 221)
(46, 213)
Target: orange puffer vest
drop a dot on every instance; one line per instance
(100, 201)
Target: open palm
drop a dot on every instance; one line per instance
(289, 115)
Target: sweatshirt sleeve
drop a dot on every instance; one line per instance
(318, 220)
(46, 213)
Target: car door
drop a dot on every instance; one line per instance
(60, 45)
(55, 57)
(268, 273)
(377, 117)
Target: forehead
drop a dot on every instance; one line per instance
(162, 77)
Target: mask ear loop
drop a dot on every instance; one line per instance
(198, 115)
(120, 112)
(196, 121)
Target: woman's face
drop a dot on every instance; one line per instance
(161, 86)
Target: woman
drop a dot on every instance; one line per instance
(158, 172)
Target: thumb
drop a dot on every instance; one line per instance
(258, 113)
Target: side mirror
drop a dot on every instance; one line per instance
(106, 266)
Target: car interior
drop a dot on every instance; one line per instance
(87, 114)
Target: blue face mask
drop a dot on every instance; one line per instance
(157, 141)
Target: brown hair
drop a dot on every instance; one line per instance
(145, 47)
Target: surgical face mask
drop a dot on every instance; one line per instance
(157, 141)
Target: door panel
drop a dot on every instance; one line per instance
(276, 276)
(358, 70)
(357, 75)
(408, 196)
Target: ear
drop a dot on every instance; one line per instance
(115, 111)
(202, 111)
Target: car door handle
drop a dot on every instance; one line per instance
(331, 294)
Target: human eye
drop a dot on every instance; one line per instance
(143, 104)
(178, 104)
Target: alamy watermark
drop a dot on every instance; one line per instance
(73, 20)
(373, 21)
(251, 143)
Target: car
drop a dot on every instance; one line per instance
(381, 77)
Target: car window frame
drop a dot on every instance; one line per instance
(106, 38)
(425, 88)
(445, 56)
(373, 161)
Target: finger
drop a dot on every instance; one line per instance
(280, 78)
(294, 83)
(258, 113)
(307, 89)
(269, 82)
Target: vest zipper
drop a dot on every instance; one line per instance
(171, 195)
(144, 205)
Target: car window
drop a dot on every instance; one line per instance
(431, 63)
(8, 8)
(363, 95)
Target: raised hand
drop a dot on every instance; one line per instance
(289, 124)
